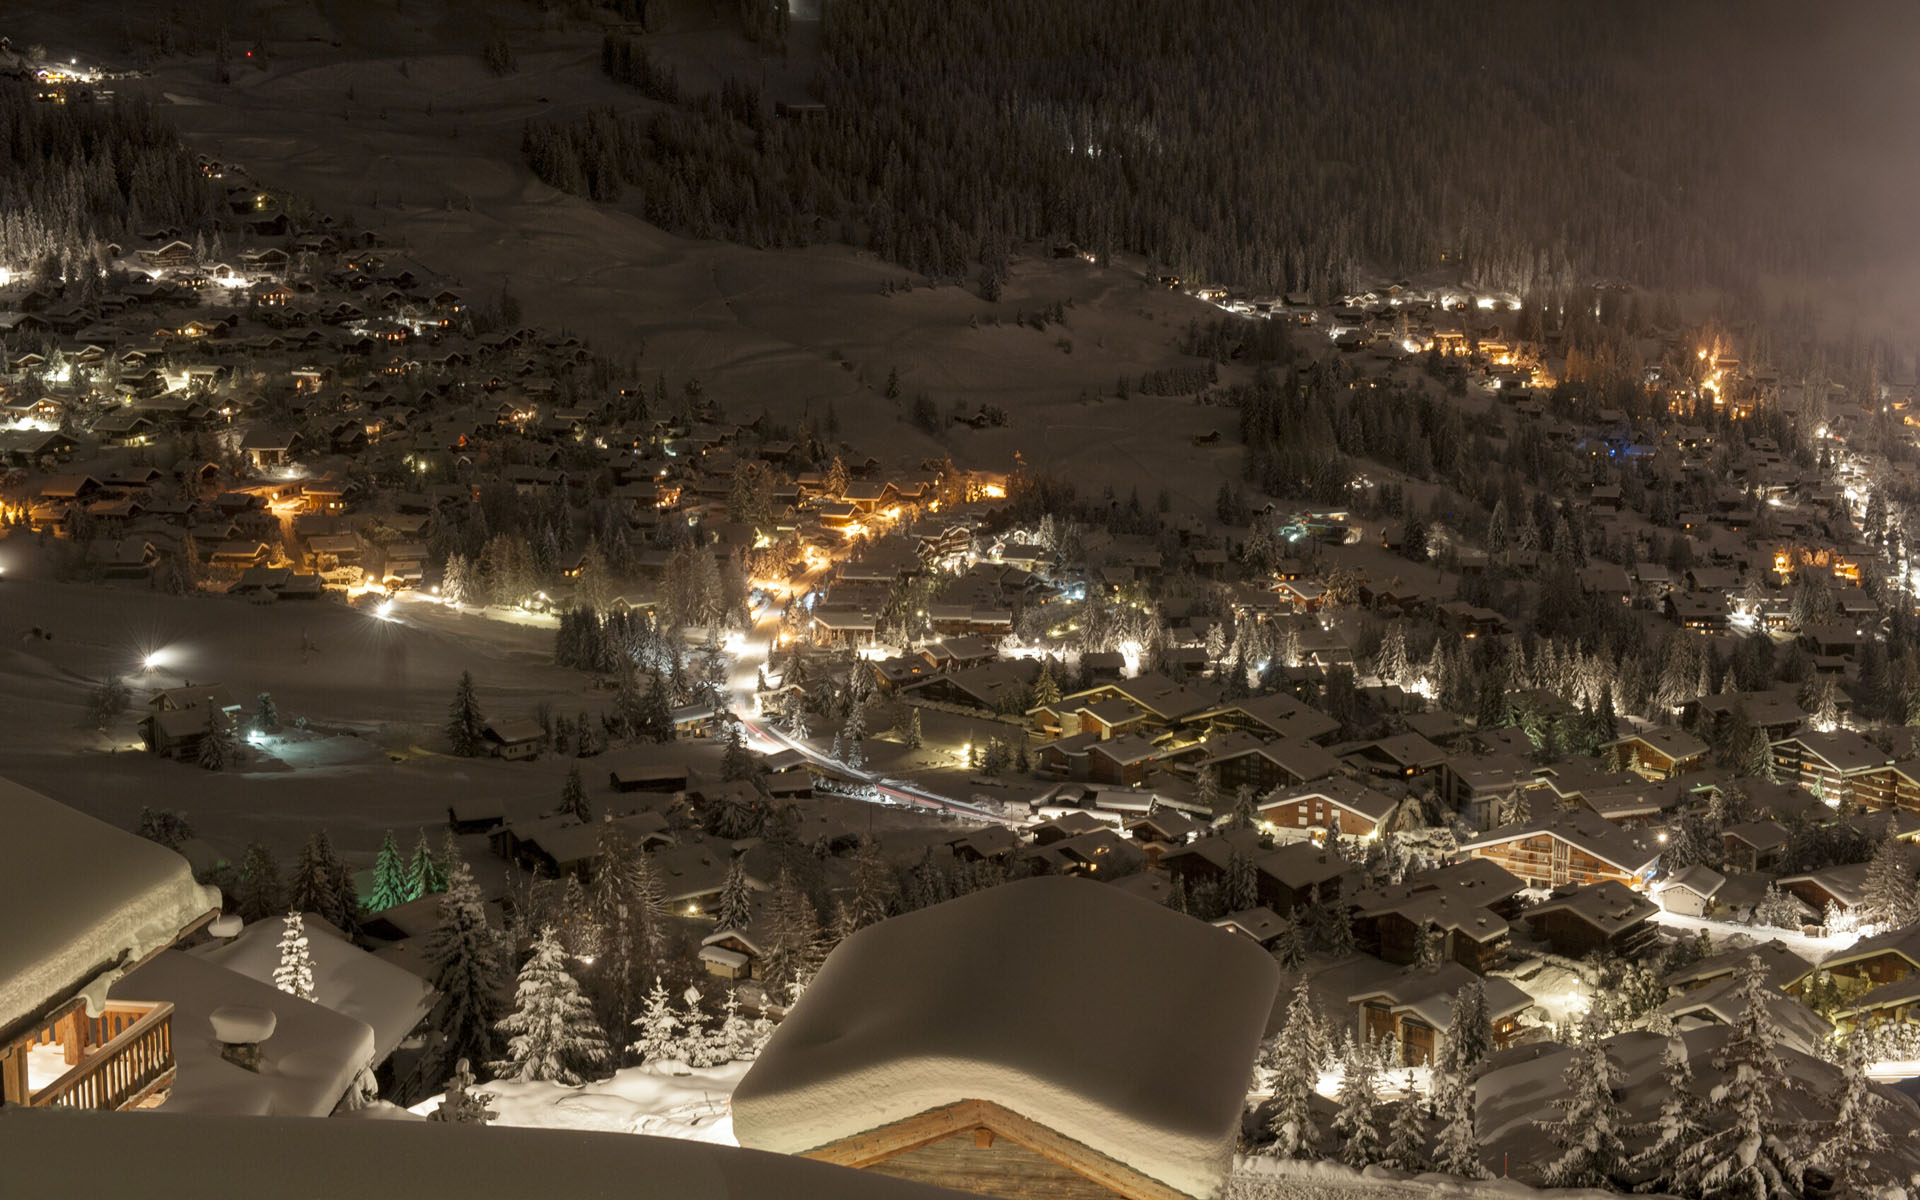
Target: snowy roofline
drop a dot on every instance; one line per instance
(89, 899)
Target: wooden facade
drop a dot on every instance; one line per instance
(1318, 812)
(1544, 860)
(117, 1060)
(980, 1147)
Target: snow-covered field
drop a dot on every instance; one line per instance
(1272, 1179)
(693, 1106)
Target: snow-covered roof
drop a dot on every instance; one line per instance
(80, 898)
(57, 1153)
(983, 998)
(350, 981)
(306, 1066)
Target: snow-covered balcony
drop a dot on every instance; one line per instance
(119, 1059)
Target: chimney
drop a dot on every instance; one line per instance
(240, 1028)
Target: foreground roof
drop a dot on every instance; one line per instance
(88, 897)
(57, 1153)
(985, 998)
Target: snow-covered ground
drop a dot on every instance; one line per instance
(1272, 1179)
(1725, 935)
(693, 1106)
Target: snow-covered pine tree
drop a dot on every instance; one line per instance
(1588, 1132)
(1391, 663)
(874, 885)
(462, 1105)
(465, 724)
(294, 975)
(1682, 1116)
(1888, 891)
(792, 930)
(552, 1033)
(216, 744)
(733, 1037)
(1354, 1125)
(736, 896)
(1296, 1069)
(1750, 1156)
(322, 885)
(573, 797)
(468, 964)
(1246, 810)
(392, 884)
(735, 762)
(1457, 1150)
(1468, 1043)
(1290, 950)
(1855, 1134)
(659, 1038)
(698, 1048)
(1407, 1134)
(266, 716)
(258, 892)
(424, 873)
(1206, 792)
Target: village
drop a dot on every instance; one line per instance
(1449, 803)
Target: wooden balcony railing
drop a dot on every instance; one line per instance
(129, 1057)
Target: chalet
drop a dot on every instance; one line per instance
(1466, 907)
(732, 954)
(1263, 925)
(1473, 783)
(1659, 753)
(1880, 959)
(1240, 759)
(1579, 919)
(1415, 1009)
(1719, 1003)
(1567, 847)
(993, 843)
(122, 900)
(1838, 889)
(1402, 756)
(1784, 969)
(1162, 830)
(512, 740)
(1018, 1116)
(1690, 891)
(1843, 765)
(559, 846)
(1777, 712)
(1754, 845)
(1333, 804)
(1123, 761)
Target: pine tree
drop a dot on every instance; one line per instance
(1246, 810)
(736, 897)
(1354, 1123)
(1588, 1133)
(697, 1047)
(735, 1035)
(735, 762)
(1296, 1069)
(552, 1033)
(1407, 1134)
(1855, 1133)
(1243, 883)
(1206, 791)
(424, 873)
(1757, 756)
(915, 739)
(462, 1105)
(792, 931)
(1683, 1114)
(1391, 663)
(266, 716)
(465, 724)
(1749, 1156)
(216, 744)
(659, 1028)
(1457, 1152)
(573, 797)
(873, 885)
(1290, 949)
(1046, 689)
(258, 892)
(391, 882)
(467, 960)
(1888, 891)
(294, 975)
(322, 885)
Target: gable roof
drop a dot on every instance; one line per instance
(1586, 832)
(939, 1005)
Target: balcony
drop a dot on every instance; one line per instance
(117, 1060)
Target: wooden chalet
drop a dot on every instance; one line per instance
(1579, 919)
(929, 1085)
(1567, 847)
(120, 901)
(1415, 1009)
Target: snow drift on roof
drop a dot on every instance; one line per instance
(1021, 995)
(80, 897)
